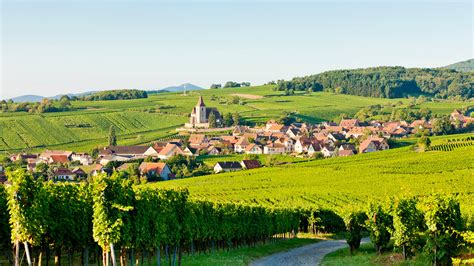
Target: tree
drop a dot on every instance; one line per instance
(442, 126)
(236, 119)
(407, 224)
(228, 121)
(216, 86)
(231, 84)
(379, 224)
(212, 120)
(424, 143)
(444, 222)
(112, 136)
(355, 226)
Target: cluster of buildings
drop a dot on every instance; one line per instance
(327, 139)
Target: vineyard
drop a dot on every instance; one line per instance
(452, 144)
(143, 120)
(343, 184)
(109, 218)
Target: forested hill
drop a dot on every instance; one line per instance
(387, 82)
(464, 66)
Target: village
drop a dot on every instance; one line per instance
(153, 162)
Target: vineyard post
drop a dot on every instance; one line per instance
(17, 253)
(112, 254)
(27, 250)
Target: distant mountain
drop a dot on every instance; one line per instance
(38, 98)
(183, 87)
(464, 66)
(28, 98)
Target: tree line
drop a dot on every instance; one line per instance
(386, 82)
(230, 84)
(115, 95)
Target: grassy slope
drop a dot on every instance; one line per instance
(344, 183)
(134, 126)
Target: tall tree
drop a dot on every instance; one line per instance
(212, 120)
(112, 136)
(228, 121)
(236, 118)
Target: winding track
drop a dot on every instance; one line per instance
(311, 254)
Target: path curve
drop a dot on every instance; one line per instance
(311, 254)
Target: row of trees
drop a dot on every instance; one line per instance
(46, 105)
(115, 95)
(386, 82)
(434, 226)
(127, 223)
(231, 84)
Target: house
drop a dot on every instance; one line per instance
(79, 172)
(196, 140)
(124, 167)
(99, 169)
(301, 144)
(199, 117)
(274, 148)
(335, 136)
(23, 156)
(169, 151)
(349, 123)
(134, 152)
(293, 133)
(159, 169)
(347, 147)
(253, 148)
(211, 150)
(288, 142)
(250, 164)
(227, 167)
(104, 160)
(82, 158)
(456, 115)
(313, 148)
(241, 145)
(328, 150)
(64, 174)
(55, 156)
(372, 144)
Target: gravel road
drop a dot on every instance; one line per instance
(311, 254)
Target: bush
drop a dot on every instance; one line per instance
(355, 226)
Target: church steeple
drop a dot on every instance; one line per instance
(200, 102)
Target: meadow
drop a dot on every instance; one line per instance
(144, 120)
(345, 183)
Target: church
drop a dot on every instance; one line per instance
(200, 115)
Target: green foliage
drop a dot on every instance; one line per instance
(392, 113)
(112, 136)
(407, 224)
(355, 227)
(115, 95)
(236, 119)
(424, 143)
(5, 230)
(442, 126)
(113, 201)
(379, 225)
(388, 82)
(444, 222)
(228, 120)
(212, 120)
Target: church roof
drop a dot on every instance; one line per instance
(200, 102)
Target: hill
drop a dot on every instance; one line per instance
(464, 66)
(180, 88)
(387, 82)
(344, 183)
(27, 98)
(144, 120)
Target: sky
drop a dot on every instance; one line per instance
(70, 46)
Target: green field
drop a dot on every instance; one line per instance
(346, 183)
(86, 127)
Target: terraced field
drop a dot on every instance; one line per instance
(87, 126)
(346, 183)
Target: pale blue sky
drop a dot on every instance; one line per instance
(54, 47)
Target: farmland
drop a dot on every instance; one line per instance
(345, 183)
(143, 120)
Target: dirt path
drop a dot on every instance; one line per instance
(248, 96)
(311, 254)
